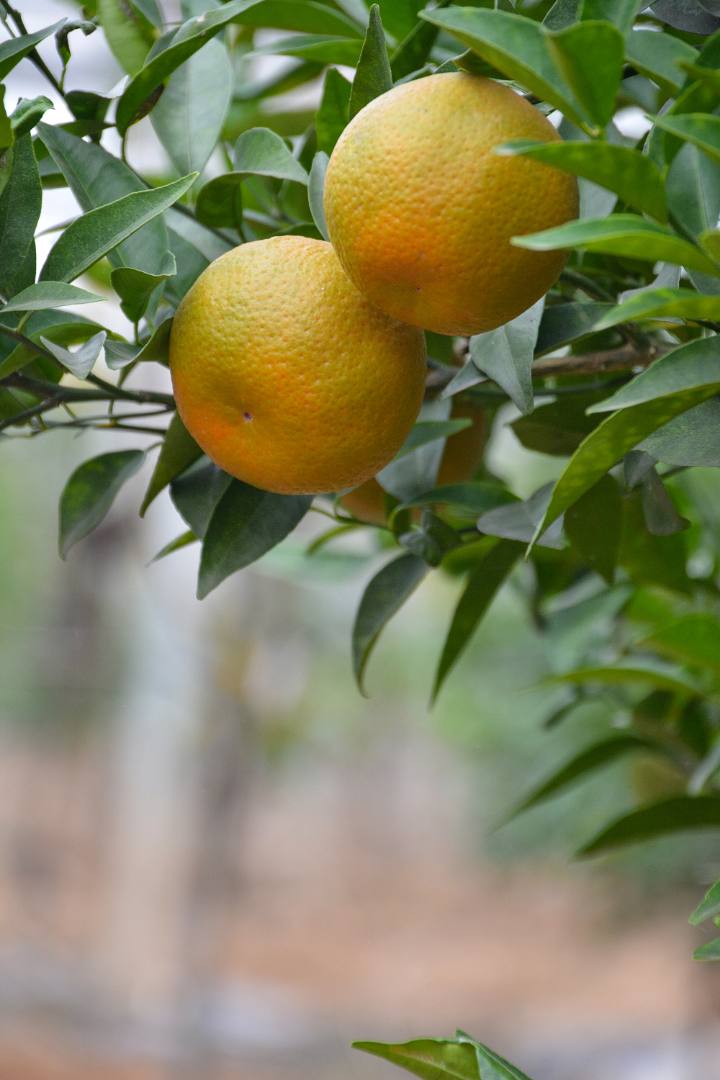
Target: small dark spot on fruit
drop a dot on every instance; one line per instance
(247, 416)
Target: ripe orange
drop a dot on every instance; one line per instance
(284, 373)
(461, 459)
(421, 211)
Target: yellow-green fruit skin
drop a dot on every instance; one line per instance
(286, 376)
(421, 210)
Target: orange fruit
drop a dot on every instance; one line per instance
(421, 211)
(460, 461)
(286, 376)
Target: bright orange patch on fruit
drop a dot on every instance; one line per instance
(421, 210)
(286, 376)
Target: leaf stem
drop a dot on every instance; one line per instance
(33, 55)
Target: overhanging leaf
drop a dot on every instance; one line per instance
(14, 50)
(49, 294)
(505, 355)
(81, 362)
(90, 492)
(700, 129)
(662, 304)
(679, 814)
(177, 452)
(384, 596)
(594, 85)
(709, 907)
(372, 75)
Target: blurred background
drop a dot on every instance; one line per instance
(218, 860)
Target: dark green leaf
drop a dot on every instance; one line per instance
(633, 176)
(20, 205)
(619, 12)
(558, 428)
(320, 49)
(128, 31)
(678, 814)
(661, 516)
(709, 907)
(662, 304)
(28, 113)
(621, 234)
(191, 111)
(180, 542)
(648, 559)
(709, 951)
(136, 287)
(89, 109)
(594, 85)
(693, 438)
(648, 673)
(196, 493)
(693, 639)
(516, 46)
(118, 354)
(383, 598)
(316, 186)
(245, 525)
(62, 42)
(99, 231)
(13, 51)
(482, 584)
(428, 431)
(49, 294)
(372, 76)
(144, 88)
(659, 56)
(562, 13)
(563, 323)
(587, 761)
(506, 355)
(81, 362)
(474, 497)
(520, 520)
(178, 451)
(700, 129)
(90, 492)
(306, 16)
(594, 526)
(332, 114)
(414, 50)
(96, 178)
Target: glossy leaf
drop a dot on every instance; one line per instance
(563, 323)
(91, 491)
(662, 304)
(675, 383)
(709, 907)
(196, 493)
(594, 85)
(90, 237)
(316, 186)
(585, 762)
(633, 176)
(694, 639)
(372, 75)
(700, 129)
(679, 814)
(190, 114)
(515, 45)
(136, 287)
(429, 431)
(558, 428)
(621, 234)
(81, 362)
(49, 294)
(693, 438)
(245, 525)
(128, 32)
(506, 355)
(332, 115)
(95, 178)
(28, 113)
(654, 674)
(321, 49)
(593, 526)
(519, 520)
(482, 584)
(660, 56)
(461, 1058)
(620, 13)
(178, 451)
(20, 204)
(414, 50)
(16, 49)
(118, 354)
(307, 16)
(473, 497)
(383, 597)
(145, 87)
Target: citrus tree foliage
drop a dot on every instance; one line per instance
(616, 375)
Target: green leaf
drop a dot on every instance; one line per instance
(654, 674)
(180, 542)
(178, 451)
(445, 1059)
(90, 492)
(190, 114)
(258, 152)
(145, 87)
(679, 814)
(128, 31)
(321, 49)
(563, 323)
(662, 304)
(700, 129)
(562, 13)
(693, 438)
(81, 362)
(693, 196)
(659, 57)
(306, 16)
(28, 113)
(709, 907)
(96, 178)
(621, 234)
(119, 354)
(62, 327)
(586, 761)
(474, 497)
(519, 520)
(136, 287)
(516, 46)
(709, 951)
(621, 13)
(89, 110)
(593, 526)
(659, 511)
(245, 525)
(678, 381)
(7, 138)
(694, 639)
(594, 85)
(49, 294)
(428, 431)
(316, 186)
(20, 205)
(99, 231)
(372, 76)
(414, 50)
(196, 493)
(482, 584)
(384, 596)
(506, 355)
(633, 176)
(62, 42)
(558, 428)
(332, 115)
(14, 50)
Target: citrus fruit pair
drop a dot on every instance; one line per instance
(297, 369)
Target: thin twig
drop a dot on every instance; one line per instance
(33, 55)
